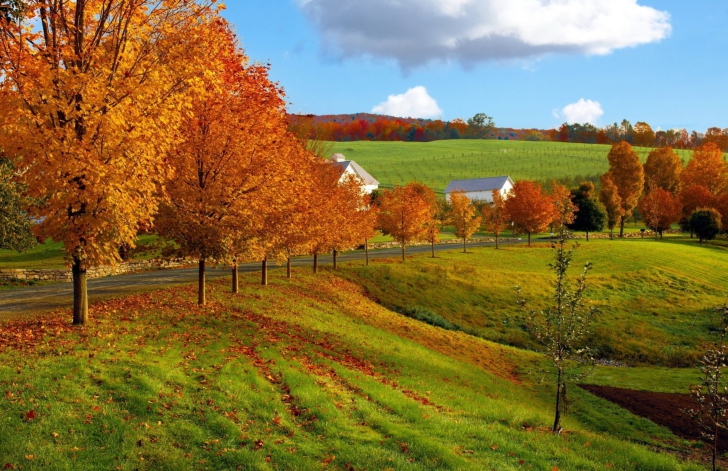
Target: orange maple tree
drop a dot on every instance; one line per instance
(495, 216)
(564, 210)
(97, 89)
(404, 213)
(627, 174)
(707, 168)
(530, 209)
(662, 170)
(693, 197)
(659, 209)
(609, 197)
(463, 216)
(228, 159)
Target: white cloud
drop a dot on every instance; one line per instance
(416, 32)
(583, 111)
(414, 103)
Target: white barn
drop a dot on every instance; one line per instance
(349, 167)
(480, 189)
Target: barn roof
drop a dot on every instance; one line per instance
(478, 184)
(356, 169)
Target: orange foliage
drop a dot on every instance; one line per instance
(463, 215)
(707, 168)
(564, 209)
(529, 208)
(660, 209)
(404, 213)
(609, 197)
(495, 216)
(662, 170)
(627, 174)
(694, 197)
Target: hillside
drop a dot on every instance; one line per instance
(437, 163)
(301, 375)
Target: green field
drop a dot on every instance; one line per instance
(307, 374)
(437, 163)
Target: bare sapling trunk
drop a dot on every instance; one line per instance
(557, 414)
(264, 272)
(288, 267)
(80, 291)
(315, 262)
(465, 249)
(403, 251)
(235, 287)
(201, 283)
(335, 254)
(496, 240)
(529, 239)
(366, 250)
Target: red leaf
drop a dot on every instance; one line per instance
(30, 415)
(9, 466)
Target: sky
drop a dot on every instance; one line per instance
(526, 63)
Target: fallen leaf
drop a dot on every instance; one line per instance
(30, 415)
(495, 447)
(329, 459)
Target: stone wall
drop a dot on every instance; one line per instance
(97, 272)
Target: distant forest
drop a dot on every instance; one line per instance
(371, 127)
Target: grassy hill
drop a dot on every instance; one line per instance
(313, 374)
(656, 296)
(436, 163)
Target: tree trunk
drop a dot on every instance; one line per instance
(621, 227)
(235, 277)
(315, 262)
(433, 247)
(611, 234)
(465, 250)
(201, 283)
(715, 444)
(529, 239)
(80, 292)
(403, 252)
(366, 250)
(288, 267)
(335, 254)
(557, 412)
(496, 241)
(587, 236)
(264, 272)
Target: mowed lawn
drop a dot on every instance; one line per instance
(437, 163)
(657, 298)
(307, 374)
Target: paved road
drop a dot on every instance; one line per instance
(18, 302)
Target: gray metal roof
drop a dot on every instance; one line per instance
(478, 184)
(356, 168)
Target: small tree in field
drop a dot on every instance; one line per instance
(529, 208)
(463, 216)
(403, 214)
(495, 216)
(562, 327)
(438, 216)
(609, 197)
(711, 394)
(591, 216)
(659, 210)
(705, 222)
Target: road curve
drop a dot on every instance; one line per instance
(22, 301)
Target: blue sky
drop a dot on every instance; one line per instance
(663, 62)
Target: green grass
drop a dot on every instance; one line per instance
(656, 297)
(301, 375)
(51, 255)
(437, 163)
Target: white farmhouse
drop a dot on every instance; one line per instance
(480, 189)
(349, 167)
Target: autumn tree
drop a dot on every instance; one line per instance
(97, 89)
(15, 225)
(564, 210)
(495, 216)
(463, 216)
(403, 214)
(591, 215)
(706, 223)
(228, 159)
(609, 197)
(529, 208)
(643, 135)
(662, 170)
(692, 198)
(721, 204)
(438, 218)
(707, 168)
(627, 174)
(660, 209)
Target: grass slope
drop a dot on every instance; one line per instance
(436, 163)
(301, 375)
(657, 297)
